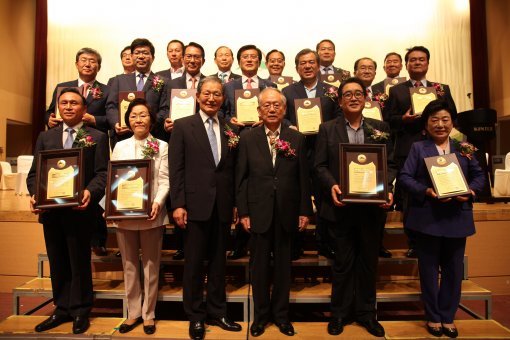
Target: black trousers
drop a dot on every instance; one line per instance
(67, 237)
(269, 303)
(205, 241)
(357, 239)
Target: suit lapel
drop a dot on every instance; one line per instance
(341, 130)
(431, 149)
(198, 130)
(223, 141)
(148, 84)
(263, 146)
(283, 136)
(300, 90)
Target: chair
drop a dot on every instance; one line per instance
(502, 180)
(24, 165)
(8, 179)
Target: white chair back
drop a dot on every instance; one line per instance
(25, 163)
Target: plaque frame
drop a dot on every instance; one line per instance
(449, 158)
(47, 159)
(242, 94)
(173, 93)
(127, 96)
(300, 103)
(421, 91)
(373, 152)
(118, 167)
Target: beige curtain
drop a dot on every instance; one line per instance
(368, 28)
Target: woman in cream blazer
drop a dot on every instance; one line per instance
(146, 235)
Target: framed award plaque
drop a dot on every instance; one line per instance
(126, 97)
(246, 102)
(128, 189)
(420, 97)
(308, 115)
(281, 82)
(389, 83)
(182, 103)
(363, 173)
(447, 176)
(372, 110)
(59, 178)
(332, 79)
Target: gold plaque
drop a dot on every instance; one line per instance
(60, 183)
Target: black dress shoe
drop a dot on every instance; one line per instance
(327, 252)
(372, 326)
(335, 326)
(225, 323)
(257, 329)
(236, 254)
(411, 253)
(196, 330)
(52, 322)
(434, 330)
(179, 255)
(99, 251)
(124, 328)
(286, 328)
(450, 332)
(149, 329)
(81, 324)
(383, 252)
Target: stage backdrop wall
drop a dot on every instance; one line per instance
(370, 28)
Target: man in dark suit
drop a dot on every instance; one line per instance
(406, 127)
(392, 67)
(326, 50)
(249, 58)
(88, 64)
(174, 52)
(128, 65)
(67, 231)
(224, 58)
(353, 226)
(273, 199)
(201, 161)
(365, 70)
(143, 79)
(307, 66)
(275, 63)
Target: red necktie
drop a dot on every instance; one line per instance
(85, 89)
(248, 84)
(418, 84)
(193, 83)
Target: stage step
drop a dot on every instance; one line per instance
(22, 327)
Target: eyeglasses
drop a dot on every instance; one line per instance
(192, 56)
(140, 53)
(267, 106)
(250, 56)
(139, 116)
(279, 60)
(92, 61)
(356, 94)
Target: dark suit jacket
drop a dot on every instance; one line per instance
(165, 74)
(229, 106)
(258, 183)
(197, 184)
(345, 74)
(95, 165)
(330, 108)
(231, 77)
(398, 103)
(428, 215)
(378, 88)
(180, 83)
(158, 100)
(327, 162)
(96, 107)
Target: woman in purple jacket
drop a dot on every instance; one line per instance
(439, 225)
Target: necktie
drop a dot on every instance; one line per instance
(70, 139)
(327, 69)
(140, 84)
(212, 140)
(418, 84)
(222, 77)
(272, 140)
(248, 83)
(85, 89)
(369, 94)
(193, 82)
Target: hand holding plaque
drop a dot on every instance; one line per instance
(246, 102)
(447, 176)
(308, 115)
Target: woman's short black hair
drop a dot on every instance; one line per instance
(433, 107)
(136, 102)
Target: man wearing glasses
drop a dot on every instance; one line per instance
(352, 226)
(143, 79)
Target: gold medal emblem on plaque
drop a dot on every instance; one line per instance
(307, 103)
(331, 77)
(362, 158)
(422, 90)
(441, 161)
(246, 94)
(281, 80)
(394, 81)
(183, 93)
(131, 97)
(367, 104)
(61, 164)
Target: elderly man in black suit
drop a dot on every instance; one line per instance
(307, 66)
(407, 127)
(88, 64)
(201, 161)
(143, 79)
(273, 199)
(67, 231)
(352, 226)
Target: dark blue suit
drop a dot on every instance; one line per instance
(440, 229)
